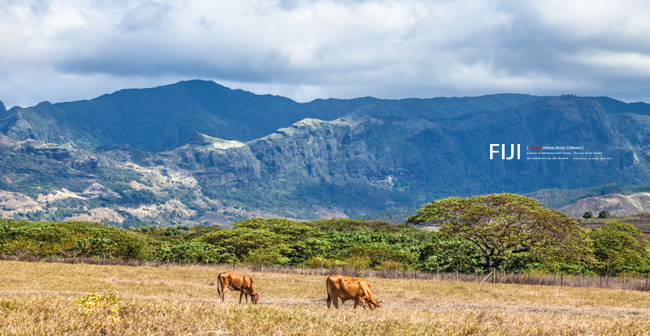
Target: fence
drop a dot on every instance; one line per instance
(639, 283)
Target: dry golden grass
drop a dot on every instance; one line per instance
(38, 298)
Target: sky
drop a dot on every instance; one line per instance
(65, 50)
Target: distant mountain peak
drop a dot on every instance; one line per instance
(3, 110)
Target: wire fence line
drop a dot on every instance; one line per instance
(625, 282)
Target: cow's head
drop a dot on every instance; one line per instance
(255, 297)
(371, 303)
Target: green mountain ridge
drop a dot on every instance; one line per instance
(164, 117)
(223, 155)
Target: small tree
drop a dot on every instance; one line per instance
(503, 225)
(588, 215)
(603, 214)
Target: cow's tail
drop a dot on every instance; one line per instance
(219, 289)
(329, 295)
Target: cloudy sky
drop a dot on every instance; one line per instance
(62, 50)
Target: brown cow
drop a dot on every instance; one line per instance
(349, 289)
(240, 282)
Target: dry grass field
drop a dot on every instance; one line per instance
(39, 299)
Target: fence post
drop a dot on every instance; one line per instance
(606, 281)
(494, 275)
(624, 283)
(580, 280)
(476, 274)
(561, 280)
(395, 271)
(303, 268)
(262, 267)
(456, 275)
(385, 273)
(321, 268)
(646, 283)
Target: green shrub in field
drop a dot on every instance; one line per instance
(95, 246)
(358, 262)
(316, 262)
(603, 214)
(267, 256)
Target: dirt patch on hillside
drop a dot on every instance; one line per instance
(98, 215)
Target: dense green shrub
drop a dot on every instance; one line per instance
(43, 239)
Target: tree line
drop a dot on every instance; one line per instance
(476, 234)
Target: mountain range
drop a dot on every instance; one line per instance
(198, 152)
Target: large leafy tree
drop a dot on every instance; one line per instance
(503, 225)
(620, 247)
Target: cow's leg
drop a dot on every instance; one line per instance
(329, 300)
(356, 301)
(336, 301)
(240, 295)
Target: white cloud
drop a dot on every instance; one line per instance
(149, 15)
(71, 49)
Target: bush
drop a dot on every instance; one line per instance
(603, 214)
(317, 262)
(358, 262)
(95, 246)
(267, 256)
(588, 215)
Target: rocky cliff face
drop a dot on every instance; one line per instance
(218, 163)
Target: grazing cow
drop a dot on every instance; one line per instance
(344, 288)
(240, 282)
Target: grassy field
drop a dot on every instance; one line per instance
(39, 299)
